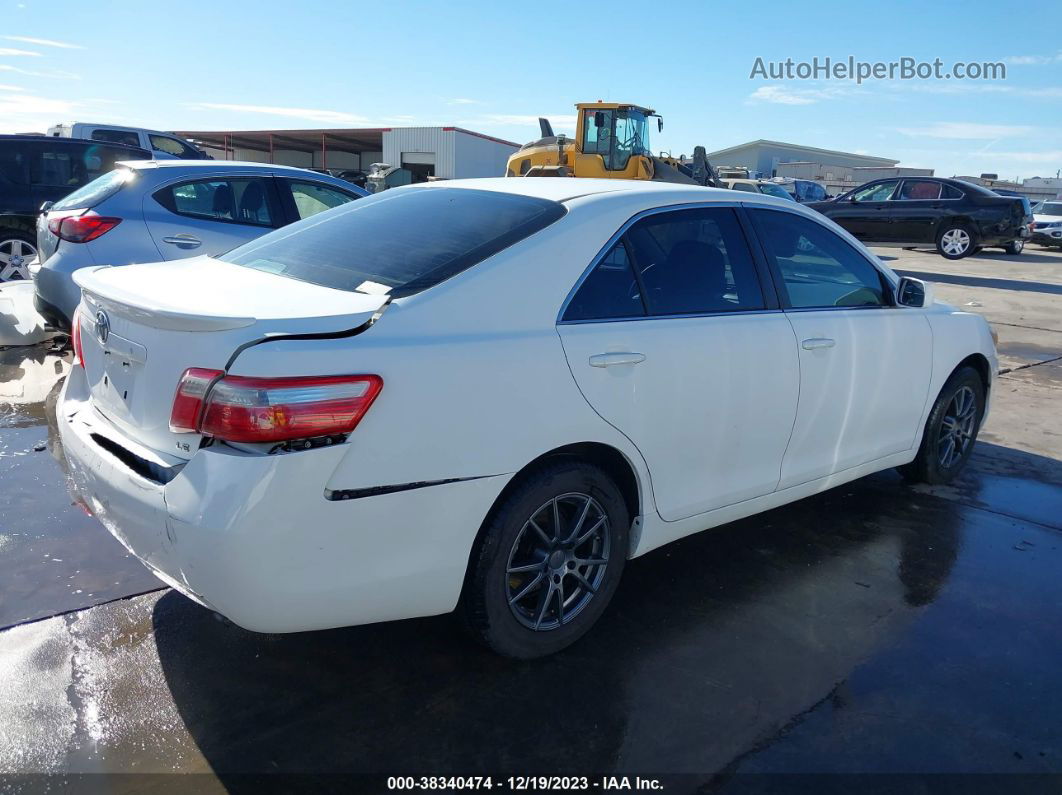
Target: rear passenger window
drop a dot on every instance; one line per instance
(948, 192)
(820, 269)
(694, 262)
(609, 291)
(241, 201)
(171, 146)
(117, 137)
(919, 189)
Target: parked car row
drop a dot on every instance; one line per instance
(479, 395)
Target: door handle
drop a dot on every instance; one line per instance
(183, 241)
(817, 342)
(612, 359)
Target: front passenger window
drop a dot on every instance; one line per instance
(820, 269)
(312, 198)
(875, 193)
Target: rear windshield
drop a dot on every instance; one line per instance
(400, 241)
(96, 191)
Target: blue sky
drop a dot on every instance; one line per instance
(495, 67)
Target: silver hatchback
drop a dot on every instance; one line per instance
(146, 211)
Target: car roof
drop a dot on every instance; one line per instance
(564, 189)
(217, 165)
(62, 141)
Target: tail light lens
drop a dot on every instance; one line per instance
(75, 340)
(81, 228)
(243, 409)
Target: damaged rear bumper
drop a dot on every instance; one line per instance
(254, 537)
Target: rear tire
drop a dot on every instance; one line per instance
(955, 241)
(951, 430)
(548, 560)
(17, 251)
(1014, 247)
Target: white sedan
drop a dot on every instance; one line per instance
(487, 395)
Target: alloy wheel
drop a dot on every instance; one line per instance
(957, 428)
(16, 255)
(955, 241)
(558, 561)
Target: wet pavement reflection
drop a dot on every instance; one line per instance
(872, 627)
(53, 556)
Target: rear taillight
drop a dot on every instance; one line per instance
(75, 340)
(81, 228)
(188, 401)
(243, 409)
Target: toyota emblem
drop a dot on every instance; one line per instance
(103, 327)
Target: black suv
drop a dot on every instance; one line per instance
(957, 217)
(35, 169)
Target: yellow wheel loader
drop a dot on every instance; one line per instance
(612, 142)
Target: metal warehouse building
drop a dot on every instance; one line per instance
(441, 152)
(765, 156)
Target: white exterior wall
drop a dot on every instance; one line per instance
(421, 139)
(479, 157)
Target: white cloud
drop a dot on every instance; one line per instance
(789, 95)
(10, 88)
(465, 101)
(558, 120)
(307, 114)
(27, 113)
(57, 74)
(967, 131)
(11, 51)
(1029, 60)
(44, 42)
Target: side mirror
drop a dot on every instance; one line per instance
(913, 292)
(599, 119)
(46, 206)
(659, 123)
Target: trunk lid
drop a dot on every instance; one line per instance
(143, 325)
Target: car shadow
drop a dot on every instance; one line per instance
(712, 645)
(985, 281)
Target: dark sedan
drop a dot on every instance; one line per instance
(957, 217)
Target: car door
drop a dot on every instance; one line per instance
(916, 209)
(865, 363)
(674, 339)
(863, 212)
(211, 215)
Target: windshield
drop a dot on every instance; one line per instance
(1049, 208)
(400, 241)
(617, 134)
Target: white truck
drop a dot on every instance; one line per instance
(162, 145)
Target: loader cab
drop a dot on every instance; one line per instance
(616, 133)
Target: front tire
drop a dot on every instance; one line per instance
(956, 241)
(548, 561)
(951, 430)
